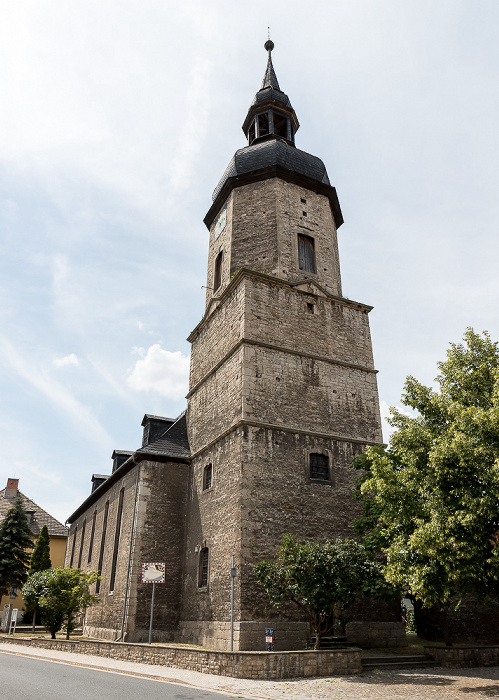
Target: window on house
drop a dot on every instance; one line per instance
(218, 271)
(263, 124)
(207, 477)
(306, 253)
(280, 125)
(102, 544)
(203, 567)
(92, 534)
(310, 308)
(81, 542)
(73, 548)
(117, 533)
(319, 466)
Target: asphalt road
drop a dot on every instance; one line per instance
(24, 678)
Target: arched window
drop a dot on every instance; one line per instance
(207, 477)
(217, 281)
(204, 559)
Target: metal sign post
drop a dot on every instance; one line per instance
(13, 620)
(154, 573)
(269, 639)
(233, 574)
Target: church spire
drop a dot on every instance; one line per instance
(271, 115)
(270, 78)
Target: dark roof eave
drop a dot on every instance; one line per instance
(118, 474)
(267, 173)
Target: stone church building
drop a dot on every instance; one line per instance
(282, 396)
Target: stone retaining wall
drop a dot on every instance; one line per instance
(239, 664)
(464, 657)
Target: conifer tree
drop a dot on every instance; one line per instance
(40, 559)
(15, 543)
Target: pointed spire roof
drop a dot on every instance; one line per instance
(270, 78)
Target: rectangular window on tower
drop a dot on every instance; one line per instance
(306, 253)
(319, 467)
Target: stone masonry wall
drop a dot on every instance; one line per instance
(263, 665)
(159, 535)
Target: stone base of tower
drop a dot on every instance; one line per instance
(249, 635)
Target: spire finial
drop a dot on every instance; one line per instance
(270, 79)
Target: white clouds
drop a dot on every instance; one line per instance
(66, 360)
(55, 393)
(161, 371)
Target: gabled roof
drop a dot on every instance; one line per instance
(40, 516)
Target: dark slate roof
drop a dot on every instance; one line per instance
(270, 78)
(172, 443)
(269, 93)
(273, 152)
(40, 516)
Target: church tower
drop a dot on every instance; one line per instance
(283, 390)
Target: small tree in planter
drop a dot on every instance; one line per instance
(320, 578)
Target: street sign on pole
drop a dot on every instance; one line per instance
(13, 620)
(153, 572)
(269, 639)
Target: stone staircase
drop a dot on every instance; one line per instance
(391, 662)
(330, 642)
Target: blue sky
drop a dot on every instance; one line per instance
(117, 121)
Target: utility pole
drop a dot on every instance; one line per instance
(233, 574)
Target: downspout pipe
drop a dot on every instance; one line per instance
(120, 638)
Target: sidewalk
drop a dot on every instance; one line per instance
(445, 684)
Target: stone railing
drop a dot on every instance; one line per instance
(464, 656)
(238, 664)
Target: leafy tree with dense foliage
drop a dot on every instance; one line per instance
(62, 595)
(40, 560)
(432, 498)
(15, 543)
(320, 578)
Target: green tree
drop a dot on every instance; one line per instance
(15, 543)
(432, 499)
(62, 595)
(320, 578)
(40, 560)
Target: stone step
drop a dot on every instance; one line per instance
(396, 661)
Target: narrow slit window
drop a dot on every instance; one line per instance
(73, 548)
(263, 124)
(92, 535)
(207, 477)
(306, 253)
(319, 467)
(82, 540)
(117, 534)
(203, 567)
(218, 271)
(102, 544)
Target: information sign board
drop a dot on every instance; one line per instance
(153, 572)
